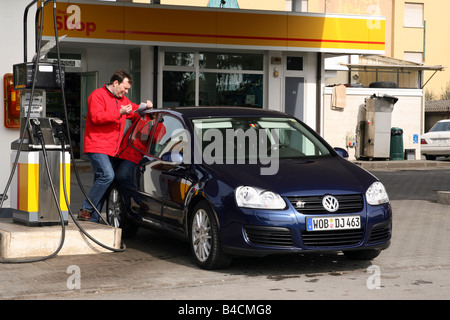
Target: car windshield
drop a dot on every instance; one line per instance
(441, 126)
(238, 138)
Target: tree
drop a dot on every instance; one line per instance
(446, 94)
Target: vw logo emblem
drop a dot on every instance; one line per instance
(330, 203)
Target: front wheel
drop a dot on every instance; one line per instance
(116, 212)
(204, 239)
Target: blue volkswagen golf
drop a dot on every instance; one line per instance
(245, 181)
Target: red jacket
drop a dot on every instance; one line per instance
(104, 124)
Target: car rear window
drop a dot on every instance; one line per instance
(441, 126)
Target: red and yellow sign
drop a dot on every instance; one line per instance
(215, 27)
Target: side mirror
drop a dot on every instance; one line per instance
(342, 152)
(173, 157)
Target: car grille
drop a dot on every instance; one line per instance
(380, 233)
(332, 238)
(313, 204)
(268, 236)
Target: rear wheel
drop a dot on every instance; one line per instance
(204, 239)
(116, 212)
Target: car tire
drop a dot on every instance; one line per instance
(116, 212)
(367, 254)
(383, 84)
(204, 238)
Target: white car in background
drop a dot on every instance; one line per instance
(436, 142)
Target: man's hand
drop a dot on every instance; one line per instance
(149, 104)
(125, 109)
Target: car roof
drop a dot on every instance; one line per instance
(222, 111)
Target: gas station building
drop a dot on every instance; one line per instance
(196, 56)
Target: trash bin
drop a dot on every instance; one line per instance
(396, 151)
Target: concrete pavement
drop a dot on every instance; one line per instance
(158, 262)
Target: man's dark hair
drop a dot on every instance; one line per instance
(120, 75)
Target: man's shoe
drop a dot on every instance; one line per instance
(84, 215)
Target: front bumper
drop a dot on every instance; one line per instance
(264, 232)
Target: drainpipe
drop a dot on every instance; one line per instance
(319, 92)
(155, 74)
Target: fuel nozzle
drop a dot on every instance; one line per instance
(37, 129)
(57, 124)
(38, 133)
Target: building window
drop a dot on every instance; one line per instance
(178, 88)
(135, 73)
(179, 59)
(416, 57)
(213, 78)
(231, 61)
(413, 15)
(294, 63)
(230, 79)
(230, 89)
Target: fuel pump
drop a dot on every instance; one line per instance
(31, 194)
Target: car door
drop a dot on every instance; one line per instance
(164, 182)
(135, 147)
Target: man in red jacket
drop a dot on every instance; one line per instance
(108, 109)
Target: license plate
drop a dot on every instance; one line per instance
(441, 141)
(333, 223)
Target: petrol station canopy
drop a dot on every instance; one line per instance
(144, 24)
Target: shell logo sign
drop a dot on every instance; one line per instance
(129, 23)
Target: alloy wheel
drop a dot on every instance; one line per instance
(114, 208)
(201, 235)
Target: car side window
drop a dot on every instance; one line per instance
(166, 136)
(141, 134)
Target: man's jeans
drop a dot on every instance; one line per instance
(124, 178)
(103, 177)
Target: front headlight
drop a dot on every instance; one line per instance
(250, 197)
(376, 194)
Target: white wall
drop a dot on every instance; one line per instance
(275, 83)
(310, 107)
(407, 115)
(147, 73)
(12, 53)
